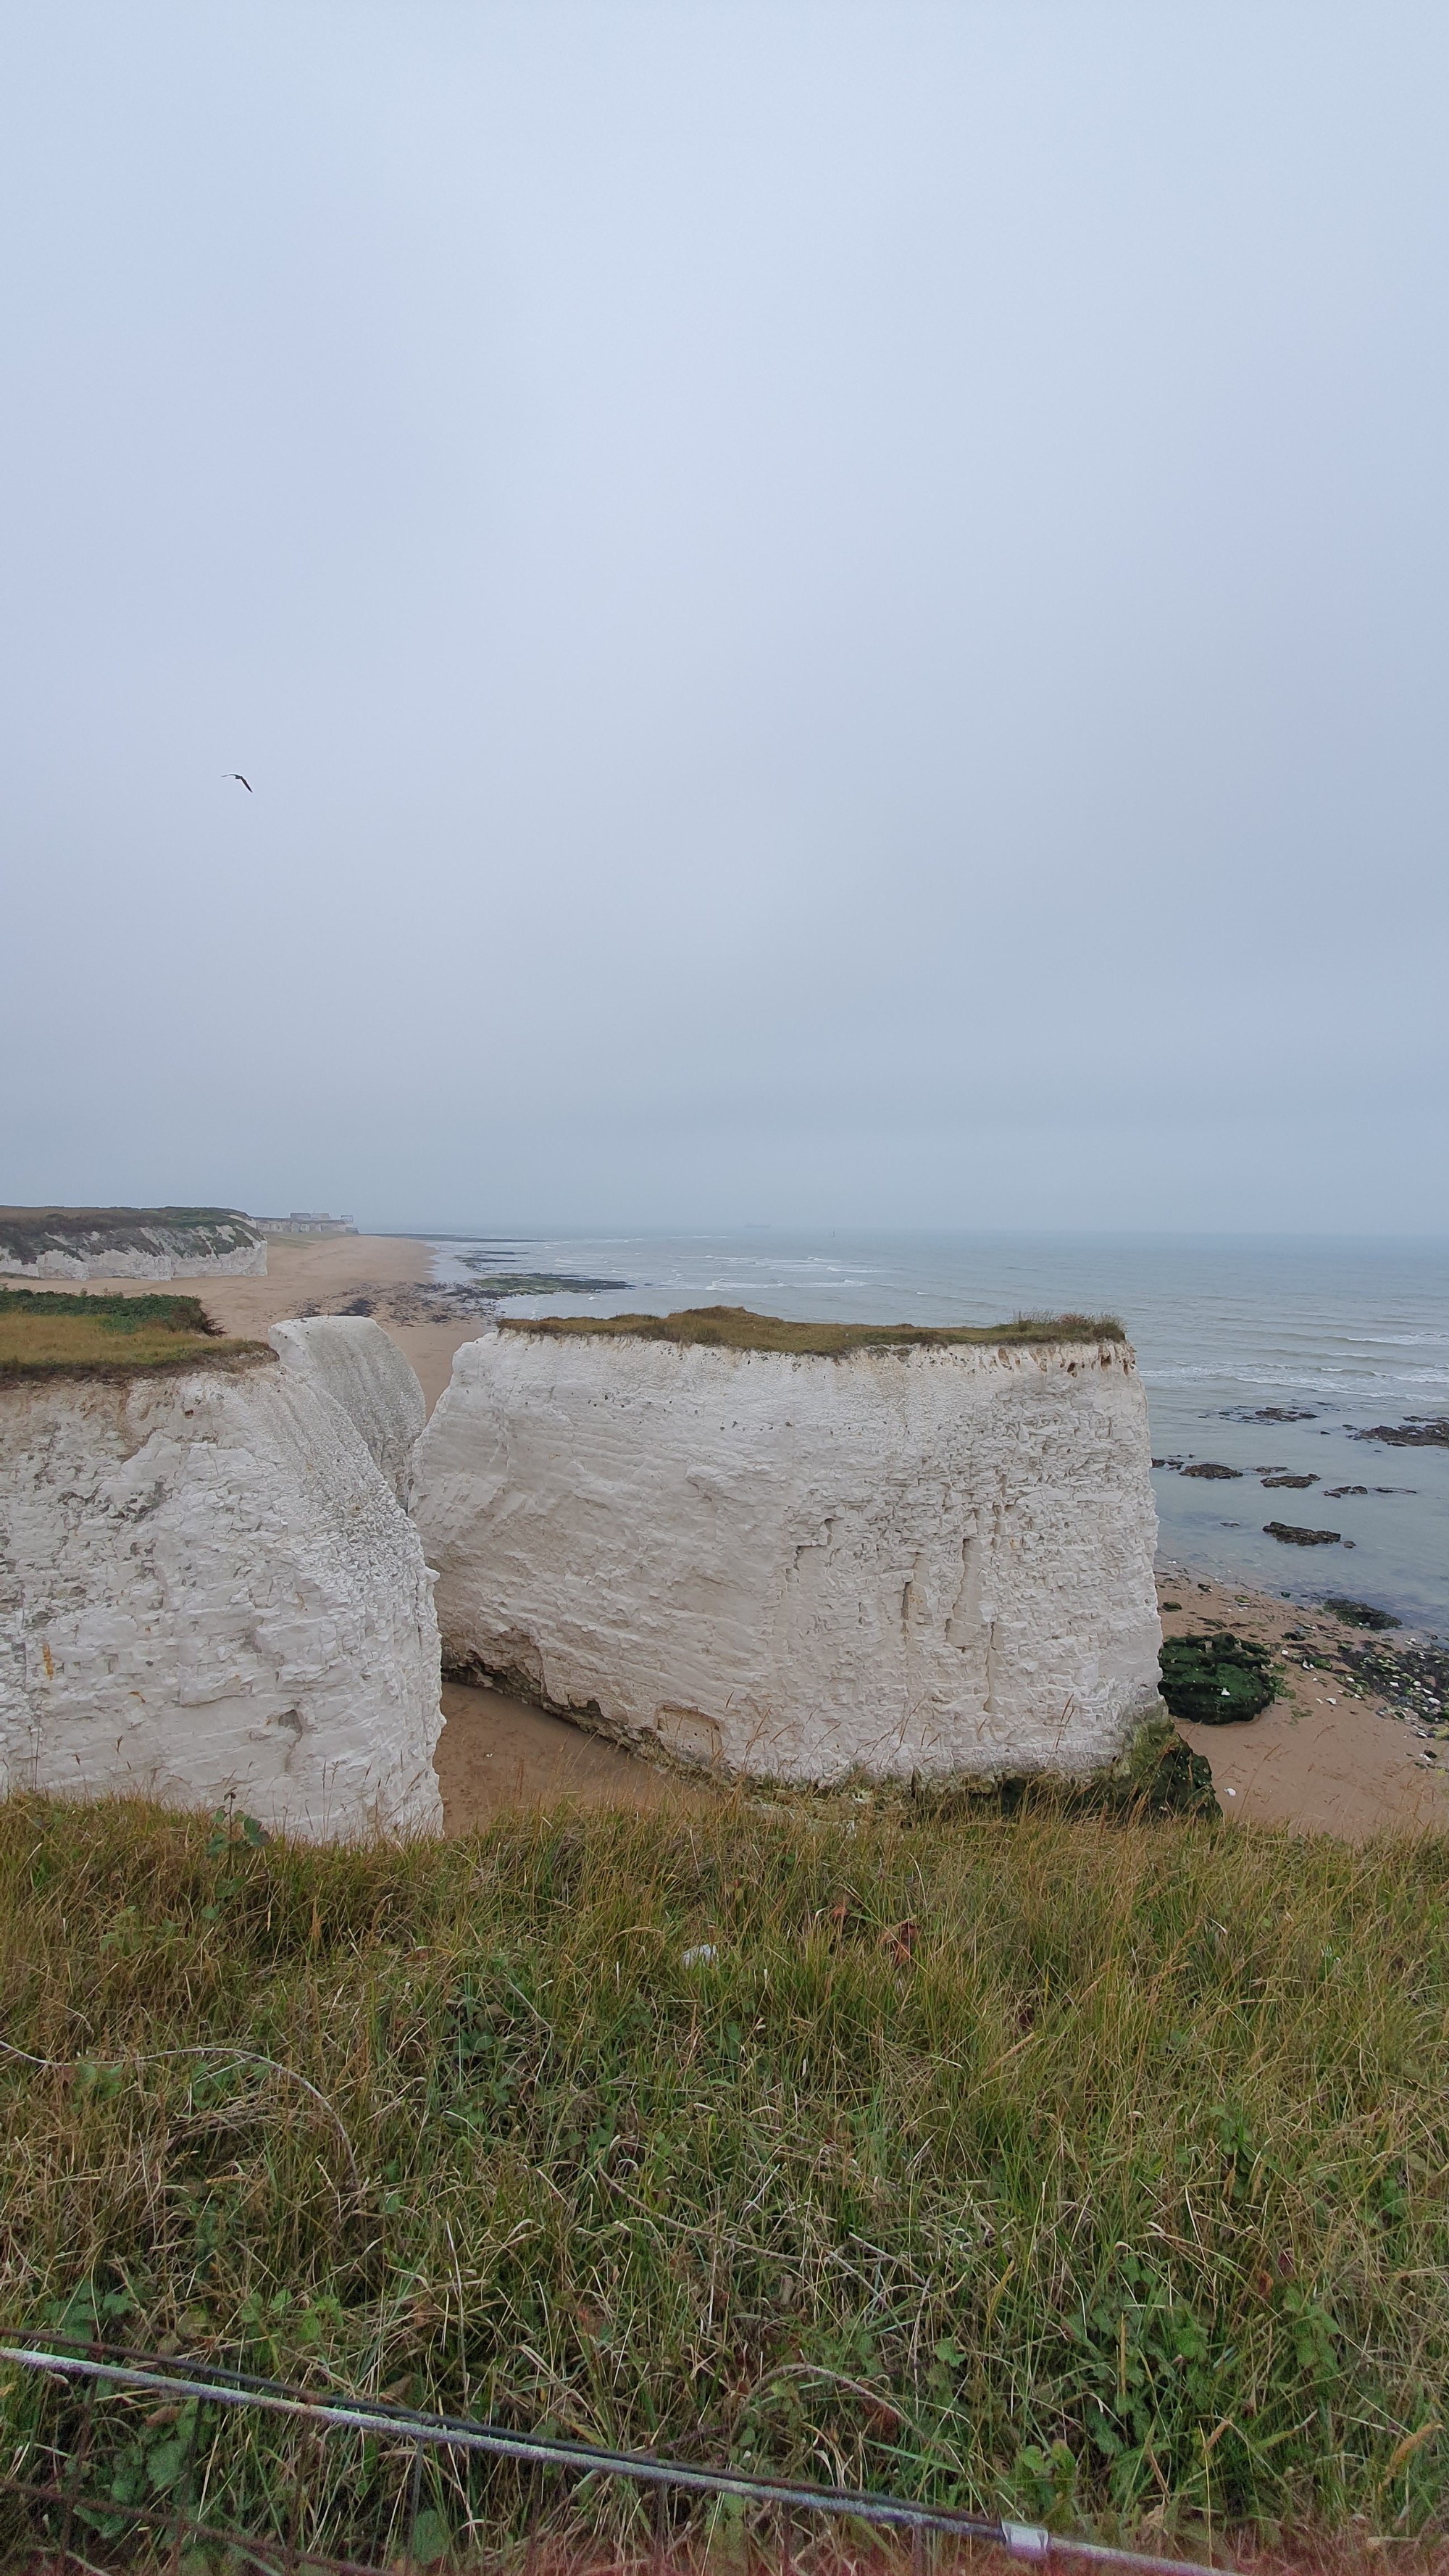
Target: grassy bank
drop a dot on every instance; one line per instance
(1077, 2168)
(48, 1333)
(738, 1328)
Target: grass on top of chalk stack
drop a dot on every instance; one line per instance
(1087, 2170)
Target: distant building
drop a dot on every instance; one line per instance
(305, 1221)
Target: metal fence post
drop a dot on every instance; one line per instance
(415, 2487)
(82, 2454)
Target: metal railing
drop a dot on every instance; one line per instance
(65, 2485)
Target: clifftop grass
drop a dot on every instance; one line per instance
(736, 1328)
(1093, 2171)
(45, 1333)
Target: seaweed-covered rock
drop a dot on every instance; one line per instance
(1164, 1774)
(1217, 1680)
(1288, 1536)
(1214, 1469)
(1360, 1614)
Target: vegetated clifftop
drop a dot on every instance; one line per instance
(130, 1243)
(45, 1333)
(739, 1328)
(206, 1587)
(801, 1550)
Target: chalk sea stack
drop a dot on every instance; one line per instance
(799, 1552)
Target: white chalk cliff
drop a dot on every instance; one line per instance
(357, 1364)
(129, 1243)
(206, 1585)
(921, 1559)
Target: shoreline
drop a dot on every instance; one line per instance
(1337, 1755)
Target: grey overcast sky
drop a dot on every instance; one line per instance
(836, 614)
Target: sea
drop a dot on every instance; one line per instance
(1268, 1356)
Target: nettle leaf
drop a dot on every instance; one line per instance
(431, 2537)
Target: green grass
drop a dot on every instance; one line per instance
(45, 1333)
(736, 1328)
(1086, 2170)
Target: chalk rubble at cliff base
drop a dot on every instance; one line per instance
(896, 1561)
(206, 1586)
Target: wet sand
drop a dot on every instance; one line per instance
(1321, 1760)
(496, 1755)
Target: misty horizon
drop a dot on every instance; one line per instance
(835, 612)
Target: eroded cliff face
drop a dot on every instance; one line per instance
(917, 1560)
(130, 1243)
(358, 1365)
(206, 1585)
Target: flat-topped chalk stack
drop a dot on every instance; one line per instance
(798, 1552)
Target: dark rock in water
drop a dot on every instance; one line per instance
(1270, 1413)
(538, 1283)
(1422, 1433)
(1360, 1614)
(1297, 1481)
(1211, 1467)
(1217, 1680)
(1290, 1537)
(1335, 1493)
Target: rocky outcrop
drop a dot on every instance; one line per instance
(359, 1366)
(130, 1243)
(206, 1586)
(933, 1560)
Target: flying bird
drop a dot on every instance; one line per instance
(241, 782)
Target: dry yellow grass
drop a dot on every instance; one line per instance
(737, 1328)
(45, 1334)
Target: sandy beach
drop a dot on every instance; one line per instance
(328, 1275)
(1321, 1760)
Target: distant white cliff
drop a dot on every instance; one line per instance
(207, 1586)
(917, 1559)
(130, 1243)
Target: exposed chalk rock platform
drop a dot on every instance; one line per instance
(130, 1243)
(357, 1364)
(207, 1585)
(897, 1553)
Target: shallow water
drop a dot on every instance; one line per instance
(1350, 1332)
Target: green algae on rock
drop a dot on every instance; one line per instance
(1217, 1680)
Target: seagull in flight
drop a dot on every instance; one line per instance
(241, 782)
